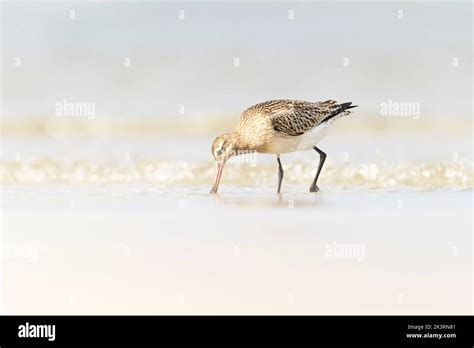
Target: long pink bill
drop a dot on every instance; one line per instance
(220, 167)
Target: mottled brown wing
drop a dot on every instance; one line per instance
(300, 116)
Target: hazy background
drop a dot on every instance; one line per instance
(112, 213)
(190, 62)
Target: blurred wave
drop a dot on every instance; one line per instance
(63, 127)
(426, 176)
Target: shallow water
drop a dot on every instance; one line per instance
(424, 176)
(127, 225)
(416, 161)
(141, 249)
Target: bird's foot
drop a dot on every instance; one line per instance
(314, 188)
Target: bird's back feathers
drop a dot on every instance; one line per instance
(295, 117)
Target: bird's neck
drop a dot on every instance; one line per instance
(239, 143)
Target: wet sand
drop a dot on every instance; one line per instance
(143, 250)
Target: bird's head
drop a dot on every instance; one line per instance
(223, 148)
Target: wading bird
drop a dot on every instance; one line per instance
(276, 127)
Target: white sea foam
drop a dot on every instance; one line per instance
(428, 175)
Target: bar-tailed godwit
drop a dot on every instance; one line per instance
(276, 127)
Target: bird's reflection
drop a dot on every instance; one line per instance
(248, 199)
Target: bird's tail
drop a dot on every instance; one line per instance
(340, 110)
(346, 106)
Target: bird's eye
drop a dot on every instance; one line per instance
(219, 152)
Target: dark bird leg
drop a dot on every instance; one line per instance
(322, 157)
(280, 173)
